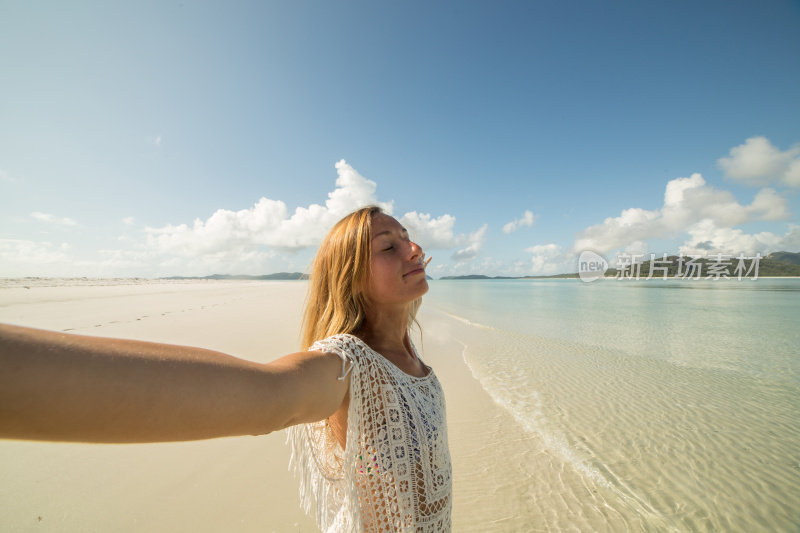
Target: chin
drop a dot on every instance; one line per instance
(424, 289)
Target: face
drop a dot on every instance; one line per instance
(397, 273)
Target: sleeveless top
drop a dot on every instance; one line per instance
(395, 473)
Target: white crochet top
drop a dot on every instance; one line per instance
(395, 473)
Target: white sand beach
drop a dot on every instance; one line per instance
(238, 484)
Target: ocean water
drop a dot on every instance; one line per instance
(650, 405)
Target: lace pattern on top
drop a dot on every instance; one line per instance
(395, 473)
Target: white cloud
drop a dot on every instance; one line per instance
(790, 241)
(757, 162)
(30, 258)
(431, 233)
(632, 225)
(549, 259)
(437, 234)
(247, 241)
(352, 191)
(686, 202)
(768, 205)
(268, 222)
(476, 240)
(706, 238)
(518, 268)
(483, 265)
(52, 219)
(636, 247)
(689, 199)
(527, 220)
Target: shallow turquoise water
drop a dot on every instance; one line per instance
(749, 326)
(674, 402)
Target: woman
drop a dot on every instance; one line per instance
(369, 436)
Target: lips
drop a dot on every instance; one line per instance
(415, 271)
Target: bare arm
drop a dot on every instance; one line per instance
(55, 386)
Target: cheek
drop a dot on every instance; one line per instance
(383, 278)
(378, 281)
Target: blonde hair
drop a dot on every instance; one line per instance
(336, 300)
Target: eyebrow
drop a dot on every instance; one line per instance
(403, 230)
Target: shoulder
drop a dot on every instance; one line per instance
(345, 345)
(350, 349)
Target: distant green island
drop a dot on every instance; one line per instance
(773, 265)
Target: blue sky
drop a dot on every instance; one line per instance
(192, 138)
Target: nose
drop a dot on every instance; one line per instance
(416, 251)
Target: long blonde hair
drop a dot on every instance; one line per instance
(336, 300)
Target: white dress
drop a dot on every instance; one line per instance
(395, 473)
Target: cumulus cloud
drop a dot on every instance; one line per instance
(687, 201)
(632, 225)
(21, 257)
(246, 241)
(431, 233)
(437, 233)
(52, 219)
(790, 241)
(548, 259)
(476, 240)
(482, 265)
(768, 205)
(526, 221)
(707, 238)
(352, 191)
(268, 222)
(758, 162)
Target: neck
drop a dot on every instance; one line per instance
(386, 328)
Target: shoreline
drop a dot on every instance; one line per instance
(531, 444)
(45, 282)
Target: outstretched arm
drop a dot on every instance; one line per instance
(56, 386)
